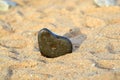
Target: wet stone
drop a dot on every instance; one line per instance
(52, 45)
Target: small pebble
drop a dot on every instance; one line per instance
(105, 2)
(52, 45)
(6, 4)
(3, 6)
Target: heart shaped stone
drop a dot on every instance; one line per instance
(52, 45)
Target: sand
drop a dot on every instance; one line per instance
(96, 57)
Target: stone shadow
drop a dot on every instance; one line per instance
(76, 37)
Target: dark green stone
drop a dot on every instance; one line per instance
(52, 45)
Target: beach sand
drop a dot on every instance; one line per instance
(96, 56)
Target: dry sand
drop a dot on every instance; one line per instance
(96, 58)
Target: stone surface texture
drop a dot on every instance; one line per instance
(52, 45)
(97, 57)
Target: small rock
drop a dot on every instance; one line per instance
(52, 45)
(3, 6)
(105, 2)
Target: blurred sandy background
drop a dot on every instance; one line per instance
(97, 58)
